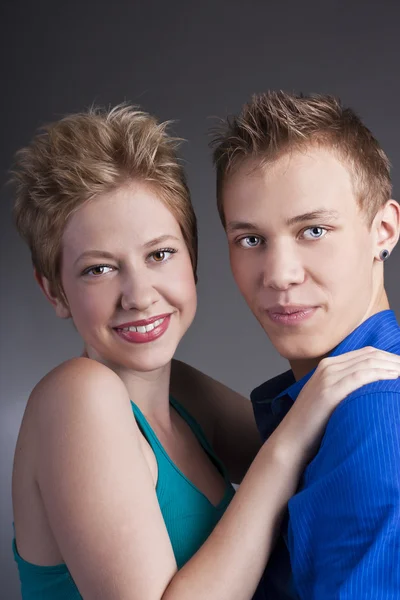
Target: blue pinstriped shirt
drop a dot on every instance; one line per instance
(343, 529)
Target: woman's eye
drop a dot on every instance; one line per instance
(98, 270)
(250, 241)
(162, 255)
(314, 233)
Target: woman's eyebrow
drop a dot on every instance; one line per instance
(103, 254)
(94, 253)
(160, 239)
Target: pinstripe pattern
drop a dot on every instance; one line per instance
(344, 523)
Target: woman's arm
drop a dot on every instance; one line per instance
(96, 486)
(226, 417)
(99, 493)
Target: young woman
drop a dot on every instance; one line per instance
(117, 491)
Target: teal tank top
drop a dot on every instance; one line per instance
(189, 517)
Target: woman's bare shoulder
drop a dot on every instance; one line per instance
(82, 376)
(80, 390)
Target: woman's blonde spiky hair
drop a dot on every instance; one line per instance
(71, 161)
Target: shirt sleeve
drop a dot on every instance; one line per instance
(344, 526)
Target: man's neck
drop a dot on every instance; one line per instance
(303, 366)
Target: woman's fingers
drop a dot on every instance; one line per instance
(360, 353)
(339, 384)
(335, 379)
(370, 358)
(368, 363)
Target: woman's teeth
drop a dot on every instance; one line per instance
(144, 328)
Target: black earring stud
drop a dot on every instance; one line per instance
(384, 255)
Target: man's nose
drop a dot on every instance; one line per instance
(283, 266)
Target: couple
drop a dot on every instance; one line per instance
(125, 457)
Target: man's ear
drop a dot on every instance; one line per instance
(60, 307)
(387, 227)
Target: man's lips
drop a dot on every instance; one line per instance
(289, 309)
(291, 314)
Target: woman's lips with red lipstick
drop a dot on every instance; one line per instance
(291, 315)
(146, 330)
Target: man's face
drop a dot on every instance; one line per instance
(301, 251)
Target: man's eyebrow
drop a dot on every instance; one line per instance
(315, 215)
(239, 225)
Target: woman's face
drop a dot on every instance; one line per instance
(128, 278)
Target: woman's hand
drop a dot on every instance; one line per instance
(334, 379)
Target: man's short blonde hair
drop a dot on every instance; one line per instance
(275, 123)
(71, 161)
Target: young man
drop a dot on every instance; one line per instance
(304, 194)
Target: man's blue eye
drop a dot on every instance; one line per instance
(250, 241)
(314, 233)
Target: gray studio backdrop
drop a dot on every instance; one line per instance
(188, 61)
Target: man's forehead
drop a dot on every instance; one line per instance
(307, 166)
(289, 195)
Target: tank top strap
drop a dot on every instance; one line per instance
(144, 425)
(154, 442)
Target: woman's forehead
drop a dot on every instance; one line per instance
(124, 217)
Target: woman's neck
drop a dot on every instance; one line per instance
(149, 390)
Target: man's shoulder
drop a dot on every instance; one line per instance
(372, 407)
(361, 436)
(383, 332)
(377, 391)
